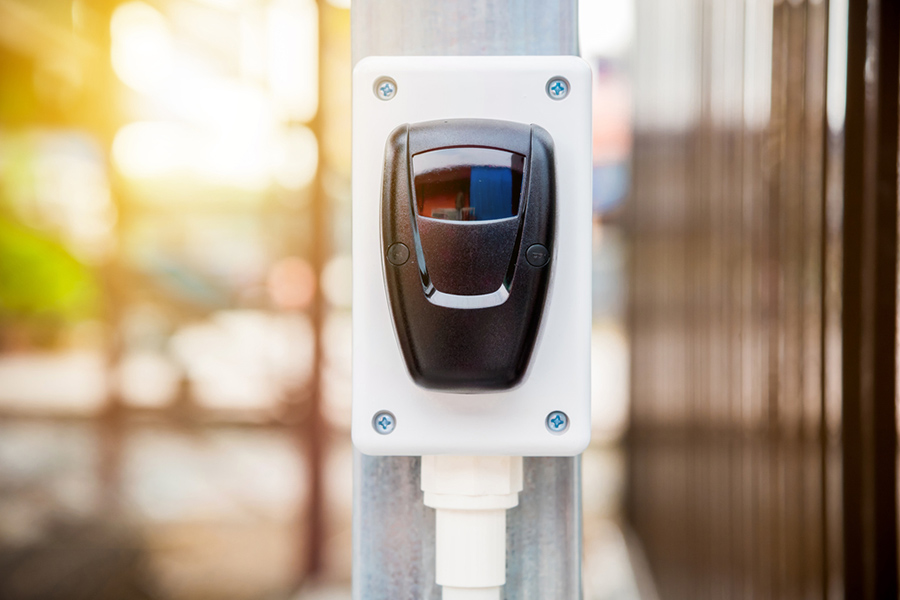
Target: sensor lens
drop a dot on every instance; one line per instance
(468, 184)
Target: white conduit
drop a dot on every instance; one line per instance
(470, 495)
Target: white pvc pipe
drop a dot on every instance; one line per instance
(454, 593)
(470, 496)
(471, 548)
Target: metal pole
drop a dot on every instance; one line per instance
(393, 531)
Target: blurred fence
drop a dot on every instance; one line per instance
(763, 264)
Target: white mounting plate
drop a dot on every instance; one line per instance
(558, 378)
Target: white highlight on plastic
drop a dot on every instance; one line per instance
(474, 301)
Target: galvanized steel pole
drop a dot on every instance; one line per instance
(393, 531)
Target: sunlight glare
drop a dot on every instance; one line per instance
(142, 46)
(293, 52)
(296, 158)
(151, 149)
(606, 27)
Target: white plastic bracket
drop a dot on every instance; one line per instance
(511, 422)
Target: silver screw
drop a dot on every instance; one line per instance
(385, 88)
(557, 422)
(558, 88)
(384, 422)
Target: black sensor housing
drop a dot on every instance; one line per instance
(467, 221)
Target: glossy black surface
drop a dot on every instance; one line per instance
(467, 259)
(484, 342)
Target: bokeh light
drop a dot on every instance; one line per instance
(142, 46)
(292, 283)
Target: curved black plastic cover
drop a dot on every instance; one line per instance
(467, 304)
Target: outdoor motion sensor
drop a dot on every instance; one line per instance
(467, 226)
(471, 285)
(471, 255)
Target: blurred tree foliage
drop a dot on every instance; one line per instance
(41, 284)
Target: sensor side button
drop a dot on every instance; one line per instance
(537, 255)
(398, 254)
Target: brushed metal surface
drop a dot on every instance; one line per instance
(393, 531)
(393, 543)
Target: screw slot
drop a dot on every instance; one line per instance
(384, 422)
(557, 422)
(385, 88)
(558, 88)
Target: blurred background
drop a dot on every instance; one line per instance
(175, 299)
